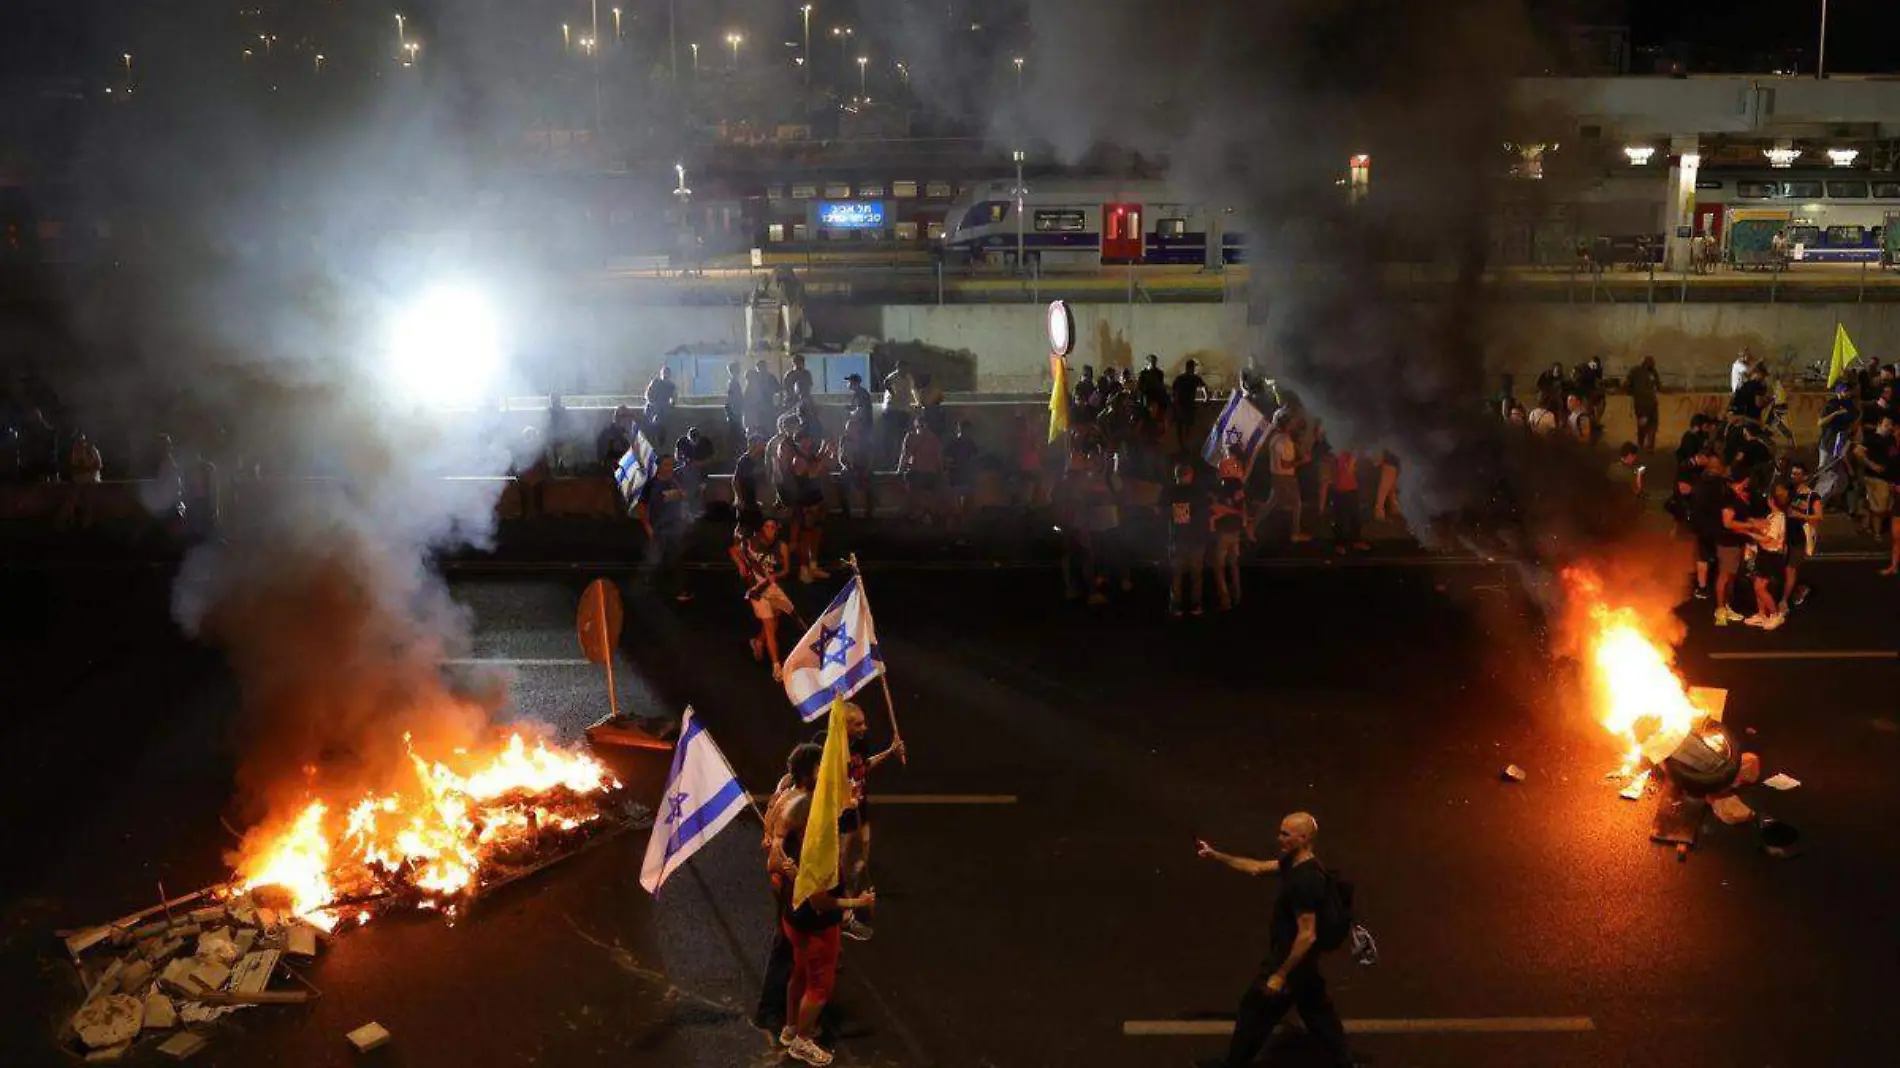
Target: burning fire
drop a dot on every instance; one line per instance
(1638, 696)
(431, 840)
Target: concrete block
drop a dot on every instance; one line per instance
(368, 1037)
(160, 1015)
(181, 1045)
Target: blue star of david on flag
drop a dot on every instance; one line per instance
(836, 657)
(1241, 424)
(702, 796)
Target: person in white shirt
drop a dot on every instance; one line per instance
(1738, 371)
(1771, 562)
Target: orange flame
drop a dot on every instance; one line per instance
(1637, 695)
(434, 838)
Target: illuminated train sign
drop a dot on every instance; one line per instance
(850, 214)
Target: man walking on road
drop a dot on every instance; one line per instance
(1289, 976)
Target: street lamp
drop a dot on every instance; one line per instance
(412, 48)
(127, 56)
(843, 34)
(402, 42)
(618, 36)
(695, 47)
(1019, 73)
(862, 60)
(1019, 193)
(903, 72)
(567, 38)
(806, 11)
(319, 62)
(735, 40)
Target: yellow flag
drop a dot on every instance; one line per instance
(1844, 354)
(818, 852)
(1058, 398)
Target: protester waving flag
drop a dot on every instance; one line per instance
(1058, 398)
(635, 468)
(1844, 355)
(702, 796)
(836, 657)
(818, 853)
(1241, 424)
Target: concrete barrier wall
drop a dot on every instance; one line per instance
(1012, 351)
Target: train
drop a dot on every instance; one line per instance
(1088, 223)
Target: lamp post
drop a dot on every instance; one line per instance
(618, 35)
(1820, 63)
(735, 40)
(319, 62)
(806, 11)
(695, 47)
(843, 34)
(1019, 193)
(402, 40)
(1019, 73)
(567, 38)
(127, 57)
(412, 48)
(862, 62)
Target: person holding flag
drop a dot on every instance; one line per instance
(1844, 357)
(836, 657)
(762, 560)
(807, 842)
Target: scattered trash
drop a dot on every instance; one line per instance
(1732, 810)
(368, 1037)
(1780, 840)
(1781, 781)
(1634, 791)
(1751, 770)
(1513, 773)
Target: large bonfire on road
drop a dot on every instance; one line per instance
(1633, 689)
(433, 841)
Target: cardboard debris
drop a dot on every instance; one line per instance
(207, 915)
(159, 1014)
(1513, 773)
(208, 976)
(1732, 810)
(254, 972)
(1634, 791)
(217, 947)
(368, 1037)
(109, 1055)
(108, 1020)
(134, 976)
(181, 1045)
(301, 941)
(1781, 781)
(85, 940)
(1751, 770)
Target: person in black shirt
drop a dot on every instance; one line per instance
(1837, 422)
(1186, 509)
(860, 397)
(1188, 390)
(1751, 454)
(1643, 384)
(1694, 440)
(661, 395)
(745, 478)
(735, 409)
(1152, 382)
(1709, 488)
(663, 513)
(1804, 522)
(1739, 526)
(1879, 455)
(1752, 398)
(1289, 977)
(614, 439)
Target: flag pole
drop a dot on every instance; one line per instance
(607, 654)
(883, 679)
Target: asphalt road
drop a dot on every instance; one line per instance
(1383, 698)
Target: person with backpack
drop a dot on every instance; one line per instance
(1312, 914)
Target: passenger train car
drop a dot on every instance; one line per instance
(1085, 222)
(1825, 215)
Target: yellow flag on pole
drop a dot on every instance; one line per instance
(1844, 354)
(818, 852)
(1058, 397)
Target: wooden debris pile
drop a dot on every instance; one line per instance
(164, 973)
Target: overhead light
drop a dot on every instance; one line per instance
(1781, 156)
(1638, 154)
(1843, 157)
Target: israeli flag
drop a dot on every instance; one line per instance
(836, 657)
(702, 796)
(1241, 424)
(636, 469)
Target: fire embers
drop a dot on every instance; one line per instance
(461, 824)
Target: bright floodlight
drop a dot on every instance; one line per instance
(444, 349)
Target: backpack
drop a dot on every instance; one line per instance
(1335, 919)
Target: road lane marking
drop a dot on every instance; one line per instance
(929, 799)
(1501, 1025)
(1810, 654)
(475, 661)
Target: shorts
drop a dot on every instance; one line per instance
(771, 602)
(858, 815)
(1704, 547)
(1879, 496)
(1770, 565)
(1728, 558)
(1226, 545)
(1797, 554)
(814, 958)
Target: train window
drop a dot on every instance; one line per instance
(775, 192)
(907, 231)
(988, 213)
(775, 232)
(804, 191)
(1171, 227)
(1755, 190)
(870, 189)
(1847, 190)
(1059, 222)
(838, 190)
(903, 189)
(1845, 235)
(937, 189)
(1801, 190)
(801, 232)
(1887, 190)
(934, 231)
(1804, 235)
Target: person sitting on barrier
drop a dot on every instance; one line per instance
(745, 479)
(857, 456)
(920, 462)
(661, 395)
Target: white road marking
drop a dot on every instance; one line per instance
(1437, 1026)
(1810, 654)
(475, 661)
(929, 799)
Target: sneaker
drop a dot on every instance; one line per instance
(1732, 614)
(1700, 593)
(1195, 611)
(778, 673)
(1800, 597)
(805, 1050)
(805, 575)
(1721, 617)
(758, 649)
(1097, 599)
(1756, 620)
(787, 1035)
(683, 597)
(857, 929)
(1775, 621)
(1174, 613)
(819, 572)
